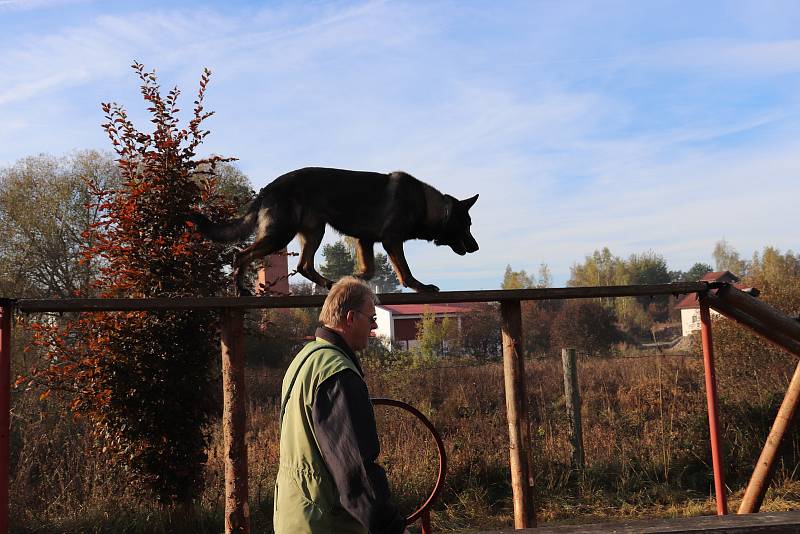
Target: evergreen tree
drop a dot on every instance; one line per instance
(385, 278)
(697, 271)
(339, 261)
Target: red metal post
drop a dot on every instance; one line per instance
(6, 310)
(711, 396)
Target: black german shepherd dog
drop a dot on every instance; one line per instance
(372, 207)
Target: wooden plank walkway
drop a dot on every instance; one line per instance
(771, 523)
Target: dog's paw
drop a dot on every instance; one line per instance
(427, 288)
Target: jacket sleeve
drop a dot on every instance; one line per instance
(344, 424)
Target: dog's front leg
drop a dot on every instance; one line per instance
(365, 257)
(398, 259)
(310, 240)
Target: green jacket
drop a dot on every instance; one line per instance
(306, 498)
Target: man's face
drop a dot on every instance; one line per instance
(360, 323)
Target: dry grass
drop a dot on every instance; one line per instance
(645, 434)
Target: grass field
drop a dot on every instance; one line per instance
(645, 436)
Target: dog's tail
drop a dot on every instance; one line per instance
(225, 232)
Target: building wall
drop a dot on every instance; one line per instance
(273, 272)
(385, 330)
(690, 320)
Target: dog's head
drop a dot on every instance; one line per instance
(455, 233)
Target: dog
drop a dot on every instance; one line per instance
(369, 206)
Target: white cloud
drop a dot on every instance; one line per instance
(30, 5)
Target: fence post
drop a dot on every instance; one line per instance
(572, 396)
(711, 397)
(6, 311)
(234, 423)
(516, 411)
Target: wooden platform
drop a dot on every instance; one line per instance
(771, 523)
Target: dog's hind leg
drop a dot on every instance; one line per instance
(398, 259)
(274, 240)
(365, 257)
(310, 239)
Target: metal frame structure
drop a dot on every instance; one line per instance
(721, 297)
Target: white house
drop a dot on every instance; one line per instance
(397, 323)
(690, 307)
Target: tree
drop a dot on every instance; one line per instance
(585, 325)
(480, 332)
(44, 213)
(145, 381)
(522, 280)
(516, 279)
(649, 268)
(385, 278)
(339, 261)
(777, 276)
(745, 358)
(602, 268)
(536, 315)
(697, 271)
(232, 184)
(727, 259)
(434, 337)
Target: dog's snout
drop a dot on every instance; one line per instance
(471, 245)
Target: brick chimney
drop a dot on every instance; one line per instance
(273, 273)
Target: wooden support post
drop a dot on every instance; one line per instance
(711, 397)
(516, 411)
(762, 474)
(572, 396)
(234, 423)
(6, 311)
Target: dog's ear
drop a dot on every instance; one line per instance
(469, 202)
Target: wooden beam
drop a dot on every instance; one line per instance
(315, 301)
(759, 316)
(772, 523)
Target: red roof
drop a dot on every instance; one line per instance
(690, 301)
(419, 309)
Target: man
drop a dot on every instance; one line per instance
(328, 479)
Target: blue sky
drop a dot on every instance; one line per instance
(661, 126)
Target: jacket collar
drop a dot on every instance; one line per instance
(331, 336)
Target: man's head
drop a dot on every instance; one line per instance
(349, 309)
